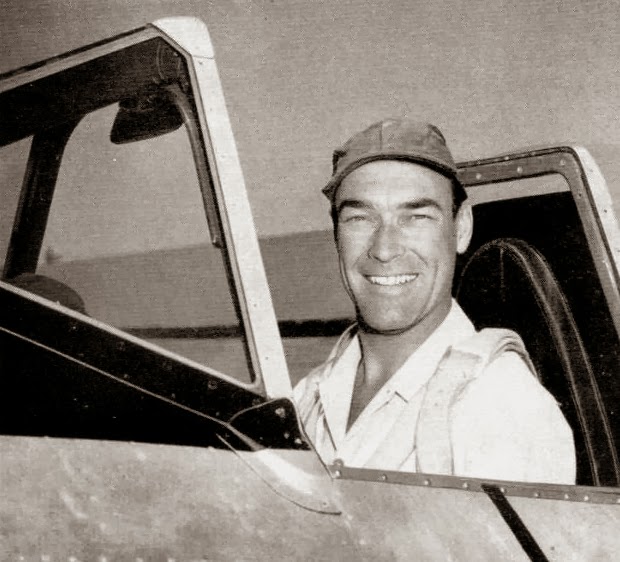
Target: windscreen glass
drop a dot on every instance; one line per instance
(127, 231)
(13, 162)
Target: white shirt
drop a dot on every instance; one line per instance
(505, 425)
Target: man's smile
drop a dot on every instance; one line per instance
(391, 280)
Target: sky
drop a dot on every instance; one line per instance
(301, 76)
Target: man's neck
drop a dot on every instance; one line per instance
(383, 355)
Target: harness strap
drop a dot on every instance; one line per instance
(460, 365)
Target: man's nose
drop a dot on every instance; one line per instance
(386, 243)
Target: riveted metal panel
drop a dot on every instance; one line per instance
(101, 500)
(572, 531)
(423, 523)
(93, 500)
(453, 518)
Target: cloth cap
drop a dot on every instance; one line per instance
(392, 139)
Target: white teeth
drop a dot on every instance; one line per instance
(391, 280)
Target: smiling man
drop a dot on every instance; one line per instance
(412, 386)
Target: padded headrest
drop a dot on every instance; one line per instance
(50, 289)
(508, 283)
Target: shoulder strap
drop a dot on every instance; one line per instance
(460, 365)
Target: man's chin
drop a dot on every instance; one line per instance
(384, 329)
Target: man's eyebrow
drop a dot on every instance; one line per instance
(412, 205)
(353, 204)
(420, 204)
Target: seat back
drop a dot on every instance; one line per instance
(508, 283)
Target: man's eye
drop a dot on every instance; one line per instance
(416, 217)
(353, 218)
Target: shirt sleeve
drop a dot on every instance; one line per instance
(507, 426)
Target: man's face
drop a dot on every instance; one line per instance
(397, 241)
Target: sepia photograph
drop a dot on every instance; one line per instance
(309, 280)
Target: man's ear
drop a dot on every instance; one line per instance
(464, 227)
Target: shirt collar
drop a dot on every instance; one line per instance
(336, 388)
